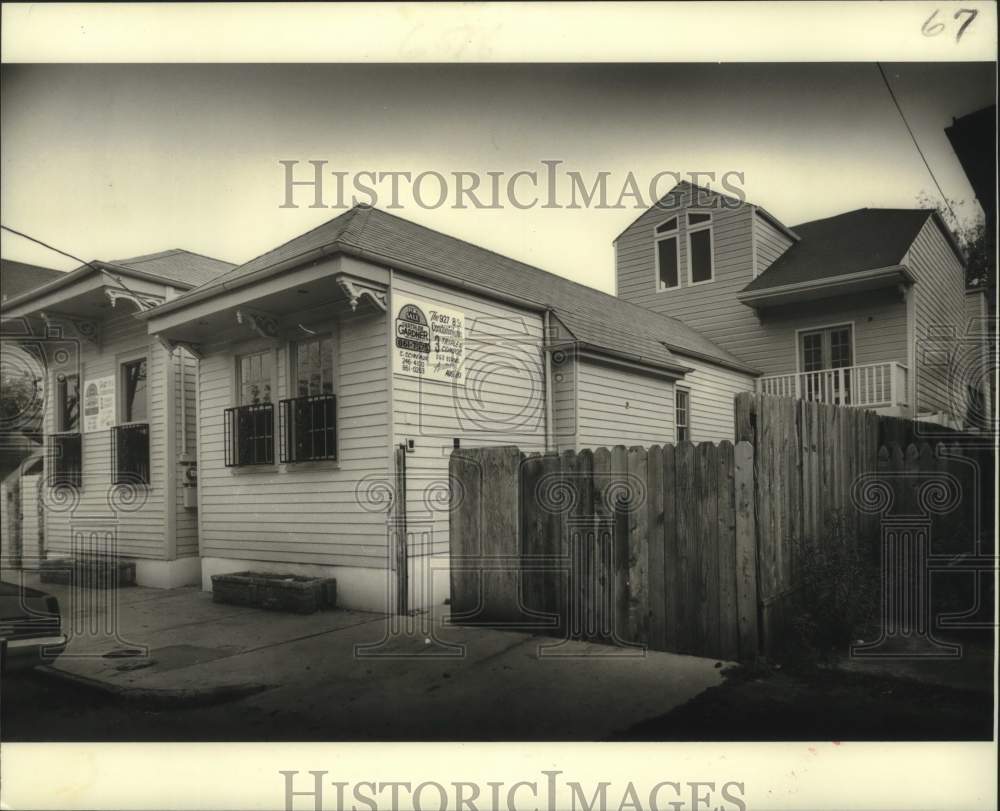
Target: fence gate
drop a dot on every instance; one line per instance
(628, 546)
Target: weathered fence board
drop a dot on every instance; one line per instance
(689, 548)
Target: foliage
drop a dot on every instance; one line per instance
(973, 237)
(838, 599)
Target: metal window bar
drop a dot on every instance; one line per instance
(65, 460)
(249, 435)
(308, 428)
(130, 453)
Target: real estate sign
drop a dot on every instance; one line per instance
(428, 340)
(98, 404)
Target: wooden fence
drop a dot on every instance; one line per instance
(816, 473)
(652, 546)
(698, 549)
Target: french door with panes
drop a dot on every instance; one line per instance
(825, 356)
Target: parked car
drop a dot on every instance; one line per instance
(30, 627)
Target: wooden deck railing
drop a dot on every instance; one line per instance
(871, 385)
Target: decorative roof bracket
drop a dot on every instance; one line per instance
(192, 348)
(141, 302)
(357, 290)
(264, 324)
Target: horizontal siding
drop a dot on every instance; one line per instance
(770, 243)
(616, 406)
(939, 312)
(137, 528)
(766, 342)
(564, 396)
(311, 513)
(186, 409)
(879, 319)
(711, 308)
(502, 402)
(713, 390)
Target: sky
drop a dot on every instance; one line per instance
(112, 161)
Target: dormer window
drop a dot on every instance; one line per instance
(667, 255)
(699, 238)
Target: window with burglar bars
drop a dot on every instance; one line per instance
(249, 437)
(130, 454)
(65, 460)
(308, 428)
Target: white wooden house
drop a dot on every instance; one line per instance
(119, 419)
(865, 308)
(342, 368)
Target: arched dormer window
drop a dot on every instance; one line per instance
(699, 247)
(667, 255)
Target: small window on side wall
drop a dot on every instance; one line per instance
(682, 414)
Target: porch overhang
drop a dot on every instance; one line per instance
(338, 286)
(897, 276)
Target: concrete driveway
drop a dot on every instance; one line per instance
(350, 675)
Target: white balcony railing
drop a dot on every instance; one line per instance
(872, 385)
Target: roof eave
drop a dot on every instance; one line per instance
(97, 266)
(594, 351)
(761, 296)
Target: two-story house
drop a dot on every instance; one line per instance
(865, 308)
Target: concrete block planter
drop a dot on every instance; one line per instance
(89, 572)
(275, 592)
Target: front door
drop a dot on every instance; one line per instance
(821, 350)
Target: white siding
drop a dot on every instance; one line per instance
(311, 512)
(617, 406)
(502, 402)
(770, 243)
(185, 371)
(765, 342)
(713, 389)
(137, 527)
(33, 543)
(939, 321)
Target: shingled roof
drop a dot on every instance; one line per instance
(864, 239)
(20, 277)
(594, 318)
(176, 264)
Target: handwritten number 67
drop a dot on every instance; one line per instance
(931, 28)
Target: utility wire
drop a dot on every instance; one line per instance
(913, 138)
(114, 276)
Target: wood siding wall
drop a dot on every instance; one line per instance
(617, 406)
(186, 372)
(712, 391)
(501, 403)
(711, 308)
(769, 242)
(939, 311)
(765, 342)
(322, 513)
(139, 525)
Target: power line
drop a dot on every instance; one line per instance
(50, 247)
(113, 276)
(913, 138)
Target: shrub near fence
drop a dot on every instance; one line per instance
(631, 546)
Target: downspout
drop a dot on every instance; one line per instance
(548, 385)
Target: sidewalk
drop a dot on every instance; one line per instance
(189, 651)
